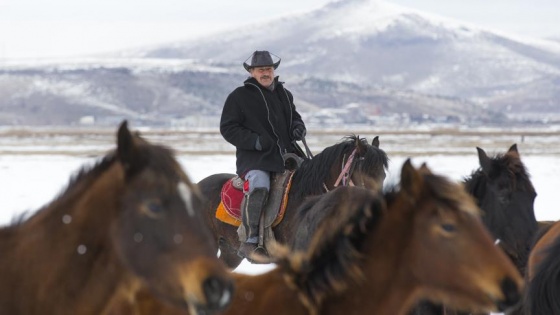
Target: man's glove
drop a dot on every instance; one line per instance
(299, 132)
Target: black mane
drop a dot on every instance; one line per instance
(310, 176)
(330, 262)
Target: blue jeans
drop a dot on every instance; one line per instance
(258, 179)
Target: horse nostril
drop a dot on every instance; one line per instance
(511, 293)
(218, 292)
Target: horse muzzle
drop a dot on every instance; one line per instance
(511, 295)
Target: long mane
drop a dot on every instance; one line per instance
(310, 176)
(331, 261)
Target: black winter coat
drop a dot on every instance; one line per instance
(252, 111)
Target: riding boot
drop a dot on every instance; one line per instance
(252, 206)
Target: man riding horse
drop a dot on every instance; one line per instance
(261, 121)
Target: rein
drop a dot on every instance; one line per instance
(309, 154)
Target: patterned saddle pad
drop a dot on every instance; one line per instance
(229, 209)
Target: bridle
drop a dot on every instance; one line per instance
(347, 168)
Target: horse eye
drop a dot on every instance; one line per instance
(447, 227)
(153, 208)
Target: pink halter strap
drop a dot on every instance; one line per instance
(344, 174)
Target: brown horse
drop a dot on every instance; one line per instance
(313, 177)
(543, 274)
(504, 192)
(379, 254)
(130, 221)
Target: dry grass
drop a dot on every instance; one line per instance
(443, 141)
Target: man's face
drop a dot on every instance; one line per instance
(264, 75)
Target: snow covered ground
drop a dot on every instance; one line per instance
(29, 181)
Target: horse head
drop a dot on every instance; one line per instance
(504, 192)
(160, 233)
(348, 162)
(449, 249)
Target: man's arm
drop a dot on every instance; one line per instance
(231, 126)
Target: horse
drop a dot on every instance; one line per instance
(130, 221)
(503, 190)
(543, 274)
(313, 177)
(505, 193)
(374, 254)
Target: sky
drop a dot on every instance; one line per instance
(62, 28)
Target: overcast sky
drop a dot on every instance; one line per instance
(47, 28)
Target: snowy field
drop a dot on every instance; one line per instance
(33, 171)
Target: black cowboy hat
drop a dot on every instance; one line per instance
(261, 58)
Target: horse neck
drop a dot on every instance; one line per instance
(266, 293)
(313, 175)
(49, 260)
(387, 287)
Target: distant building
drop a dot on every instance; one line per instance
(87, 120)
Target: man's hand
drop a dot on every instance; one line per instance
(299, 132)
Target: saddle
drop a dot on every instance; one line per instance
(229, 209)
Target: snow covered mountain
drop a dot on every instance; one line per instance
(368, 54)
(372, 41)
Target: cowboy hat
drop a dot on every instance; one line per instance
(261, 58)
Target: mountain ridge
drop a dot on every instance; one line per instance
(364, 58)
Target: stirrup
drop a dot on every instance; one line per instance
(246, 249)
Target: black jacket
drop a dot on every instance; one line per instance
(252, 111)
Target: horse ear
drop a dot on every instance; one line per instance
(375, 142)
(425, 169)
(484, 161)
(513, 150)
(126, 147)
(411, 180)
(361, 148)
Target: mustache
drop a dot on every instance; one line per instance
(265, 77)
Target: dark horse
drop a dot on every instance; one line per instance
(543, 274)
(131, 221)
(505, 193)
(503, 190)
(313, 177)
(374, 254)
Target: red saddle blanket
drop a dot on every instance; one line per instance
(229, 209)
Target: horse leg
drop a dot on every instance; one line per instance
(228, 254)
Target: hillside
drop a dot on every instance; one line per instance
(352, 61)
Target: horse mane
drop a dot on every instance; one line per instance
(331, 261)
(310, 176)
